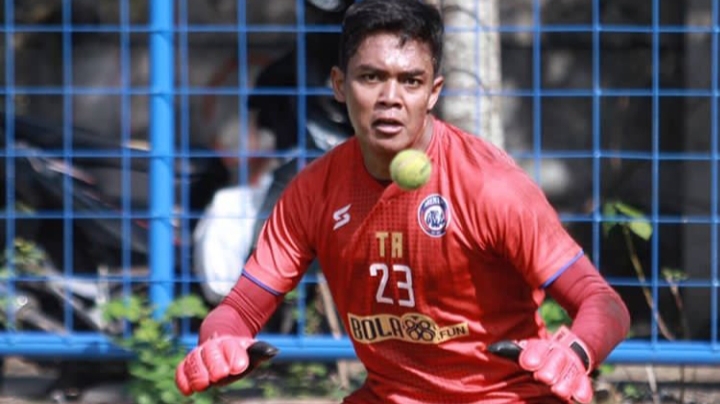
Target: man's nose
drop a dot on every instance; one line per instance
(390, 94)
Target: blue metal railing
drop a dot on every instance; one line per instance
(162, 140)
(170, 89)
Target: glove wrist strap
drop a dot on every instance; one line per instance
(569, 339)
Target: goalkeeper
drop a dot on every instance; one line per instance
(426, 281)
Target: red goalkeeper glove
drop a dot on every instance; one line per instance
(562, 362)
(219, 361)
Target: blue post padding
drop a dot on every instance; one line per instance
(162, 134)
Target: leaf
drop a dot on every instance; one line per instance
(144, 373)
(243, 383)
(147, 356)
(168, 384)
(131, 309)
(189, 306)
(629, 211)
(205, 398)
(145, 398)
(674, 275)
(606, 369)
(642, 228)
(608, 211)
(168, 397)
(148, 331)
(169, 393)
(553, 315)
(631, 391)
(114, 310)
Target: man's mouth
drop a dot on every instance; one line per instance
(387, 126)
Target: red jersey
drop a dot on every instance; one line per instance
(424, 280)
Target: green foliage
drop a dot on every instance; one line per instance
(638, 223)
(156, 348)
(554, 315)
(25, 258)
(673, 275)
(632, 391)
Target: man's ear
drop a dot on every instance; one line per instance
(435, 93)
(338, 82)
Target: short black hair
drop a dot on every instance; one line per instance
(409, 19)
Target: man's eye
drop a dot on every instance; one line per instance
(370, 77)
(412, 82)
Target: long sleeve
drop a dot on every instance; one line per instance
(600, 317)
(243, 312)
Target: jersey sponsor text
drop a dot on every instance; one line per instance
(410, 327)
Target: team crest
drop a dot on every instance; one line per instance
(434, 215)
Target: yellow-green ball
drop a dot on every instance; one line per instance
(410, 169)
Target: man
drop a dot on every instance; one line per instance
(424, 280)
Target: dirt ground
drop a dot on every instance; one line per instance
(24, 383)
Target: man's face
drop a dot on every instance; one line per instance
(389, 90)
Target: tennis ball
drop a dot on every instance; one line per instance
(410, 169)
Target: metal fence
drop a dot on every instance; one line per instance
(169, 275)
